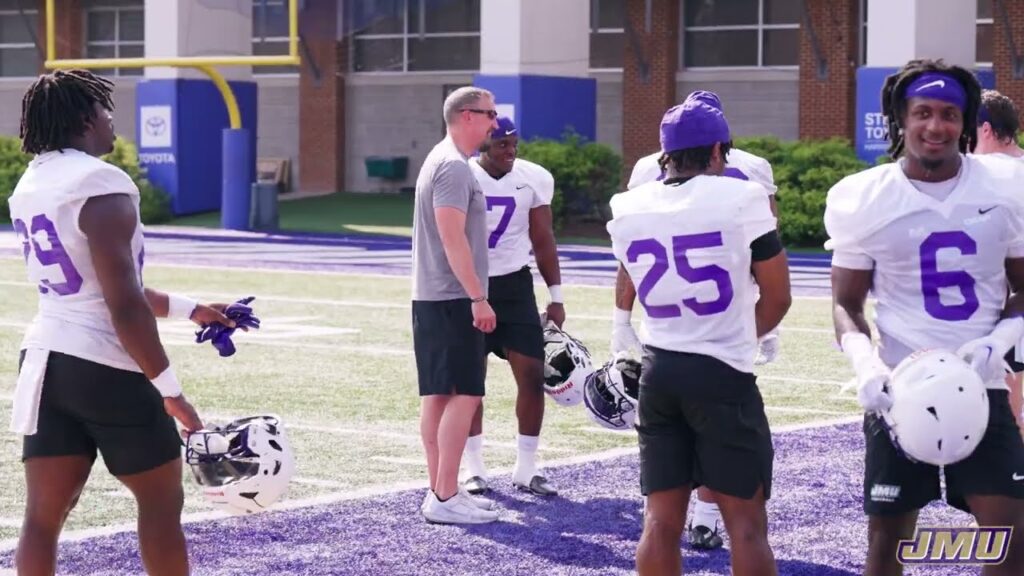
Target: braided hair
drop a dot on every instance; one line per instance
(894, 103)
(698, 159)
(57, 107)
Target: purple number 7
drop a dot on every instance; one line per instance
(55, 255)
(680, 246)
(509, 205)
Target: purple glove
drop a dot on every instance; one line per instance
(220, 335)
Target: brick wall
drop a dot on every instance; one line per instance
(645, 100)
(322, 101)
(69, 24)
(1002, 57)
(828, 102)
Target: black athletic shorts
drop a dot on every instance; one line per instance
(450, 357)
(701, 422)
(894, 484)
(87, 407)
(515, 306)
(1015, 367)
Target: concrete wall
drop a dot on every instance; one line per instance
(756, 102)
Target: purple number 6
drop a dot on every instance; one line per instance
(932, 279)
(680, 246)
(55, 255)
(509, 205)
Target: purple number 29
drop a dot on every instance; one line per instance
(508, 203)
(932, 279)
(53, 256)
(680, 246)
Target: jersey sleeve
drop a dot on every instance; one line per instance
(845, 227)
(103, 180)
(453, 185)
(761, 172)
(755, 214)
(645, 170)
(543, 185)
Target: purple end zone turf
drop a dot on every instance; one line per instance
(816, 528)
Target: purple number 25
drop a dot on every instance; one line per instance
(680, 245)
(54, 256)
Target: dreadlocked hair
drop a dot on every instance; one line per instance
(689, 159)
(57, 106)
(894, 103)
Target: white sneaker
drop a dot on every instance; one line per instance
(478, 501)
(457, 510)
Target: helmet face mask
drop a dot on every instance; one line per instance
(611, 394)
(567, 366)
(940, 408)
(244, 466)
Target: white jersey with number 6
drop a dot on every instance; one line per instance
(686, 248)
(73, 317)
(939, 265)
(509, 201)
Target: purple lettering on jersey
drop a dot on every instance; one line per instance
(680, 246)
(22, 230)
(932, 279)
(508, 203)
(658, 268)
(712, 273)
(55, 255)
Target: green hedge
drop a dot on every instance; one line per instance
(587, 175)
(804, 171)
(154, 204)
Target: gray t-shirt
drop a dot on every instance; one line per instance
(446, 180)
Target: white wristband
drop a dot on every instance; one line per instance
(167, 383)
(180, 307)
(621, 317)
(556, 294)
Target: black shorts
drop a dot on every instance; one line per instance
(515, 305)
(450, 356)
(87, 407)
(1015, 367)
(895, 485)
(701, 422)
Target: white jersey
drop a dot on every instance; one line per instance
(687, 249)
(73, 317)
(509, 201)
(939, 271)
(739, 164)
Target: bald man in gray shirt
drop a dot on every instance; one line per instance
(450, 312)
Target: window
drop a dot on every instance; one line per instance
(740, 33)
(270, 34)
(414, 35)
(19, 56)
(115, 29)
(983, 43)
(607, 34)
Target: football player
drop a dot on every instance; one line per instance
(936, 236)
(703, 532)
(519, 221)
(998, 128)
(93, 373)
(698, 245)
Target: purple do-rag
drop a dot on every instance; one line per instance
(506, 127)
(939, 86)
(692, 124)
(220, 335)
(707, 97)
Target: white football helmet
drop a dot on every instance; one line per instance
(940, 408)
(244, 466)
(611, 393)
(567, 366)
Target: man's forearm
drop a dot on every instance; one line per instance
(625, 292)
(460, 259)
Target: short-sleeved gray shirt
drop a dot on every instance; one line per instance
(446, 180)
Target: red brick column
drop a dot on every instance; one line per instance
(69, 23)
(322, 101)
(646, 97)
(828, 101)
(1002, 57)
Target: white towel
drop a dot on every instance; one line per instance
(25, 414)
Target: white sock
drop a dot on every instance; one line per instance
(706, 514)
(526, 459)
(474, 456)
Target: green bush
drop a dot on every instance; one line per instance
(804, 172)
(155, 205)
(587, 175)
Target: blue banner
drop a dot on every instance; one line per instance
(545, 106)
